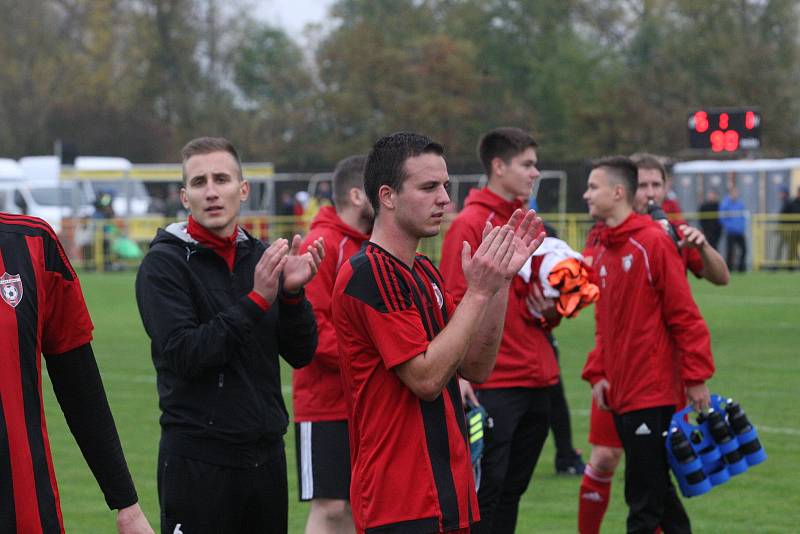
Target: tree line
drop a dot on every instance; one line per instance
(137, 78)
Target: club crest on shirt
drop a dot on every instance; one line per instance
(11, 289)
(627, 261)
(438, 293)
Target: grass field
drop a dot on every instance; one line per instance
(755, 326)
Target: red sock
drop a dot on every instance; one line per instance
(593, 500)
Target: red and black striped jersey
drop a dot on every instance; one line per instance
(42, 310)
(410, 460)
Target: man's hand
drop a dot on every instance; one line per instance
(266, 277)
(467, 393)
(538, 303)
(599, 393)
(699, 397)
(485, 271)
(131, 520)
(301, 268)
(528, 235)
(692, 237)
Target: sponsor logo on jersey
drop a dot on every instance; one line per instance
(11, 289)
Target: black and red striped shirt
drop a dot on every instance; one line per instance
(410, 460)
(42, 310)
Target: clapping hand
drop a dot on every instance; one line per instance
(301, 268)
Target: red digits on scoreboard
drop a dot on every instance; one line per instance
(731, 140)
(717, 139)
(749, 120)
(723, 121)
(701, 121)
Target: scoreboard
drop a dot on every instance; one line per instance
(725, 129)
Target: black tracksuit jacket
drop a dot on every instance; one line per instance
(215, 351)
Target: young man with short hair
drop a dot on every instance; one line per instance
(219, 307)
(402, 342)
(320, 410)
(699, 257)
(650, 343)
(518, 392)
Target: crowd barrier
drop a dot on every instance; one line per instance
(118, 244)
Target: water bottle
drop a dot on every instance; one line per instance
(658, 215)
(749, 445)
(684, 454)
(727, 442)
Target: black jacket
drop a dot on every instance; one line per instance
(215, 351)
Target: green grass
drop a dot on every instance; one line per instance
(755, 326)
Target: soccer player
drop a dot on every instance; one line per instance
(320, 410)
(43, 312)
(703, 261)
(518, 392)
(650, 343)
(219, 307)
(402, 342)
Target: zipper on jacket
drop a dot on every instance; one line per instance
(220, 385)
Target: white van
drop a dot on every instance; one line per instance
(110, 175)
(39, 196)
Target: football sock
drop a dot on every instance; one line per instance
(593, 500)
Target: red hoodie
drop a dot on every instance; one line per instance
(525, 358)
(316, 388)
(650, 337)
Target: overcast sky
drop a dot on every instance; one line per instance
(292, 15)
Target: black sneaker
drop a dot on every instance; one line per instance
(570, 465)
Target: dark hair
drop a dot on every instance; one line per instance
(207, 145)
(622, 170)
(386, 161)
(643, 160)
(504, 143)
(349, 173)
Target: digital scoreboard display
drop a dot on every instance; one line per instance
(725, 129)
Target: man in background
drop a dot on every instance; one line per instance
(517, 395)
(733, 220)
(650, 343)
(320, 409)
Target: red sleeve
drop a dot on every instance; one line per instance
(398, 335)
(67, 324)
(686, 326)
(692, 260)
(318, 293)
(450, 264)
(593, 370)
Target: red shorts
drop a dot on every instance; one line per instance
(602, 430)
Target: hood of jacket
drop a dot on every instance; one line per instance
(328, 218)
(616, 236)
(493, 202)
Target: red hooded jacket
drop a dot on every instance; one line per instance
(650, 338)
(525, 358)
(316, 388)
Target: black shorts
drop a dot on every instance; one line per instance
(323, 460)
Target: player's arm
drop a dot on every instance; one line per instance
(686, 326)
(80, 393)
(469, 342)
(166, 305)
(428, 373)
(715, 270)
